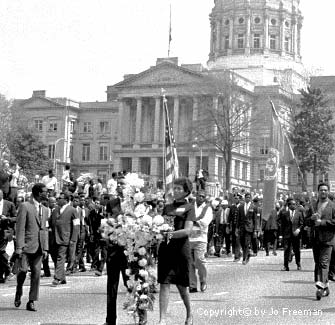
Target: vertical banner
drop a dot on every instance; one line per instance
(270, 183)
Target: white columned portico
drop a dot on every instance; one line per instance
(121, 115)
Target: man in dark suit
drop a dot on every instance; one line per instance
(271, 230)
(31, 243)
(233, 226)
(83, 234)
(291, 224)
(246, 226)
(7, 221)
(65, 226)
(321, 218)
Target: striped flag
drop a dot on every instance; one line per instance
(171, 159)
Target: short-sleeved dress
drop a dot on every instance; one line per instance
(174, 258)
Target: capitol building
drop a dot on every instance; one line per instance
(257, 43)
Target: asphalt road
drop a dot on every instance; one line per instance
(256, 293)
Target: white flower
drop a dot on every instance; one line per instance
(142, 251)
(138, 287)
(143, 273)
(143, 297)
(145, 285)
(126, 253)
(147, 220)
(128, 272)
(165, 227)
(143, 262)
(158, 220)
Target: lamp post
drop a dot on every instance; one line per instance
(55, 161)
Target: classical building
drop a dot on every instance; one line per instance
(254, 42)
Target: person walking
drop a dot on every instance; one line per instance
(31, 243)
(320, 216)
(65, 226)
(233, 226)
(271, 231)
(198, 242)
(291, 224)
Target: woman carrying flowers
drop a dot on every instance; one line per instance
(174, 254)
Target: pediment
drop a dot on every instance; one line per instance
(164, 74)
(39, 102)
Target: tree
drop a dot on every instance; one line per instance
(5, 124)
(226, 124)
(27, 150)
(312, 134)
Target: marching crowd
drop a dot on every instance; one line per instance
(232, 225)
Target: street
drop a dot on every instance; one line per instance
(257, 293)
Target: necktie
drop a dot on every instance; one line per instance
(39, 213)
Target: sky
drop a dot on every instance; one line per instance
(75, 48)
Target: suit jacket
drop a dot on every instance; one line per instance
(247, 221)
(233, 216)
(7, 226)
(94, 221)
(83, 225)
(272, 222)
(288, 226)
(325, 233)
(65, 225)
(31, 229)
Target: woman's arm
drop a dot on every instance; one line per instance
(183, 232)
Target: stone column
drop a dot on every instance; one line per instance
(175, 117)
(121, 114)
(192, 166)
(154, 169)
(294, 37)
(231, 35)
(282, 36)
(212, 46)
(138, 120)
(135, 164)
(157, 119)
(266, 31)
(195, 112)
(299, 39)
(215, 106)
(218, 35)
(248, 34)
(213, 167)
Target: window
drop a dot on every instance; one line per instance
(283, 175)
(240, 41)
(103, 151)
(87, 127)
(237, 169)
(71, 126)
(39, 125)
(51, 151)
(126, 163)
(104, 127)
(261, 174)
(53, 127)
(241, 20)
(226, 42)
(86, 152)
(264, 148)
(272, 42)
(257, 41)
(227, 22)
(145, 165)
(71, 152)
(244, 171)
(273, 22)
(257, 20)
(287, 44)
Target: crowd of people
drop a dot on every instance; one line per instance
(66, 225)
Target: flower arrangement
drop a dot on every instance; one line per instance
(139, 234)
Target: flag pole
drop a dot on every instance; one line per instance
(164, 127)
(170, 34)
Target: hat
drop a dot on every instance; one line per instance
(224, 202)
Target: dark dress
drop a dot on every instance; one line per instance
(174, 258)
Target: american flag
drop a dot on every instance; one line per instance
(171, 159)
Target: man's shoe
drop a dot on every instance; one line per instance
(17, 301)
(285, 268)
(82, 270)
(30, 306)
(326, 292)
(217, 254)
(319, 294)
(193, 290)
(63, 282)
(267, 254)
(189, 321)
(244, 262)
(203, 286)
(299, 267)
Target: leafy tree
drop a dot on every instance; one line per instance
(5, 124)
(225, 125)
(312, 134)
(27, 150)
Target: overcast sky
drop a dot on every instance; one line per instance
(75, 48)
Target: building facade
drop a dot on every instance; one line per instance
(255, 42)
